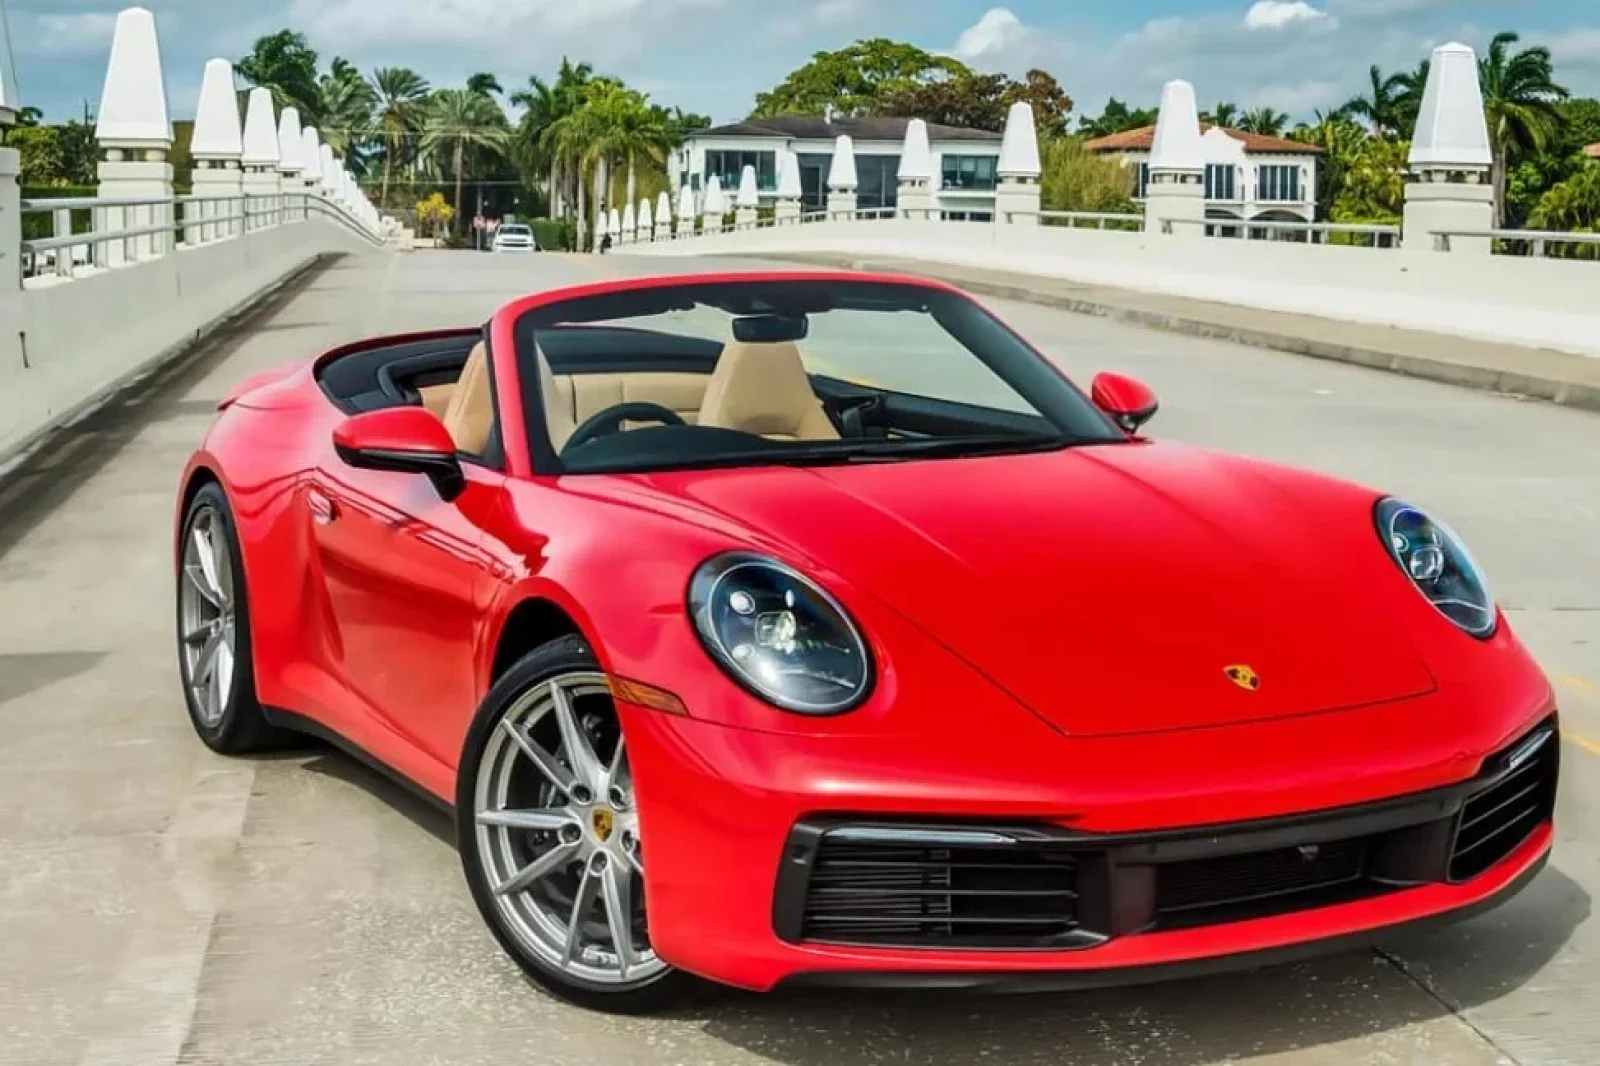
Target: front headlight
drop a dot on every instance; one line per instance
(1438, 564)
(779, 634)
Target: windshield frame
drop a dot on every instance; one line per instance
(1039, 381)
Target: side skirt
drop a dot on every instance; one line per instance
(285, 719)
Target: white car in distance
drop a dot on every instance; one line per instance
(514, 237)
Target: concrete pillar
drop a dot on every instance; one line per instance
(686, 211)
(787, 213)
(1449, 185)
(747, 205)
(842, 179)
(629, 225)
(1017, 197)
(664, 217)
(614, 225)
(217, 146)
(914, 195)
(647, 226)
(291, 164)
(1176, 195)
(310, 170)
(714, 207)
(135, 135)
(263, 181)
(602, 228)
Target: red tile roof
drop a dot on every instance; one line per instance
(1141, 139)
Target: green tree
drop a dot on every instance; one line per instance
(1380, 105)
(1118, 118)
(976, 101)
(1224, 114)
(1374, 184)
(1076, 179)
(485, 84)
(286, 64)
(42, 159)
(545, 104)
(1052, 107)
(1521, 103)
(1573, 206)
(1409, 86)
(850, 80)
(461, 124)
(1341, 139)
(400, 97)
(1264, 121)
(347, 103)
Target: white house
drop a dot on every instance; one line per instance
(965, 160)
(1248, 176)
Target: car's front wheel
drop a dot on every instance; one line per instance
(549, 835)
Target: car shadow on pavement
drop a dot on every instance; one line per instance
(1399, 997)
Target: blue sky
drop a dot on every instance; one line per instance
(712, 56)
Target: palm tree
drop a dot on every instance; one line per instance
(459, 122)
(484, 84)
(1378, 108)
(286, 64)
(400, 94)
(1224, 115)
(1341, 140)
(1521, 104)
(544, 104)
(347, 103)
(631, 132)
(572, 143)
(1410, 86)
(1264, 121)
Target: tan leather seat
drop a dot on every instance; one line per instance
(558, 411)
(470, 416)
(763, 389)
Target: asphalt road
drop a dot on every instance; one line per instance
(161, 905)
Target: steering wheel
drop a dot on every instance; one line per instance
(604, 423)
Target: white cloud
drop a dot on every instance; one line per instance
(1276, 14)
(84, 33)
(994, 35)
(526, 30)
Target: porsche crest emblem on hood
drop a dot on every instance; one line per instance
(1243, 676)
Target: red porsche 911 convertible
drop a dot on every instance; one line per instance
(786, 628)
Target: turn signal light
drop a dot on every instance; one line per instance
(642, 695)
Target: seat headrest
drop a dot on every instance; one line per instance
(763, 389)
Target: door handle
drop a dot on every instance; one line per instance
(323, 510)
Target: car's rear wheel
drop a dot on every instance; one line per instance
(549, 835)
(214, 653)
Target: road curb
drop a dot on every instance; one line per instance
(1514, 384)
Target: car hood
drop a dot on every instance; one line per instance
(1110, 589)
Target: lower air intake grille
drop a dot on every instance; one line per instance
(1004, 897)
(1495, 821)
(1256, 884)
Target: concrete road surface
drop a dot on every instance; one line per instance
(161, 905)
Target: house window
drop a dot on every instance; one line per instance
(1278, 184)
(970, 171)
(728, 168)
(1220, 182)
(877, 181)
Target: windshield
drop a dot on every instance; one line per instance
(797, 372)
(514, 231)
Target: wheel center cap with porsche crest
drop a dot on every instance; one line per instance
(604, 822)
(1243, 676)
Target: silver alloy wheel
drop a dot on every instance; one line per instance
(206, 614)
(558, 836)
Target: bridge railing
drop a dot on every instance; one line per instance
(126, 231)
(1536, 244)
(1360, 234)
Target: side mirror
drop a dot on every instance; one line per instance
(404, 440)
(1130, 403)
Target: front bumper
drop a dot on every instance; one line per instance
(734, 824)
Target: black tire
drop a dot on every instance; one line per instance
(243, 728)
(666, 989)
